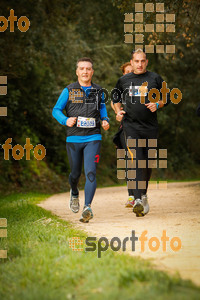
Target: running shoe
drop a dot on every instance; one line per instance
(74, 203)
(130, 201)
(141, 206)
(86, 214)
(145, 204)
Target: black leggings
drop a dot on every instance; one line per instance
(141, 159)
(90, 153)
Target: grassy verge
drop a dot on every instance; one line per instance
(40, 264)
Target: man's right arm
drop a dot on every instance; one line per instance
(60, 105)
(117, 102)
(58, 110)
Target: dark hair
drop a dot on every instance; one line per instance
(84, 59)
(139, 50)
(124, 66)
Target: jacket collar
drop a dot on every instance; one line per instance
(77, 84)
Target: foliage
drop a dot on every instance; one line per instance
(41, 62)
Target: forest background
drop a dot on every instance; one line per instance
(41, 62)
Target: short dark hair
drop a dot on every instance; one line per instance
(84, 59)
(139, 50)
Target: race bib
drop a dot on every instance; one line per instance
(136, 91)
(86, 122)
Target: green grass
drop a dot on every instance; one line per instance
(40, 264)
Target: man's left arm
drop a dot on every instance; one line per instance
(103, 114)
(164, 92)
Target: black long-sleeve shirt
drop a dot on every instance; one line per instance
(138, 115)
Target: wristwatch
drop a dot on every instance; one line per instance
(157, 105)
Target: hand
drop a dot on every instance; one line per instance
(71, 121)
(151, 106)
(120, 115)
(105, 125)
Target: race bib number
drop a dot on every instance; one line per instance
(138, 91)
(86, 122)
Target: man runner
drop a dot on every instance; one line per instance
(84, 105)
(119, 138)
(139, 122)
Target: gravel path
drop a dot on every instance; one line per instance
(175, 210)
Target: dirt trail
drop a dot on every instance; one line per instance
(176, 210)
